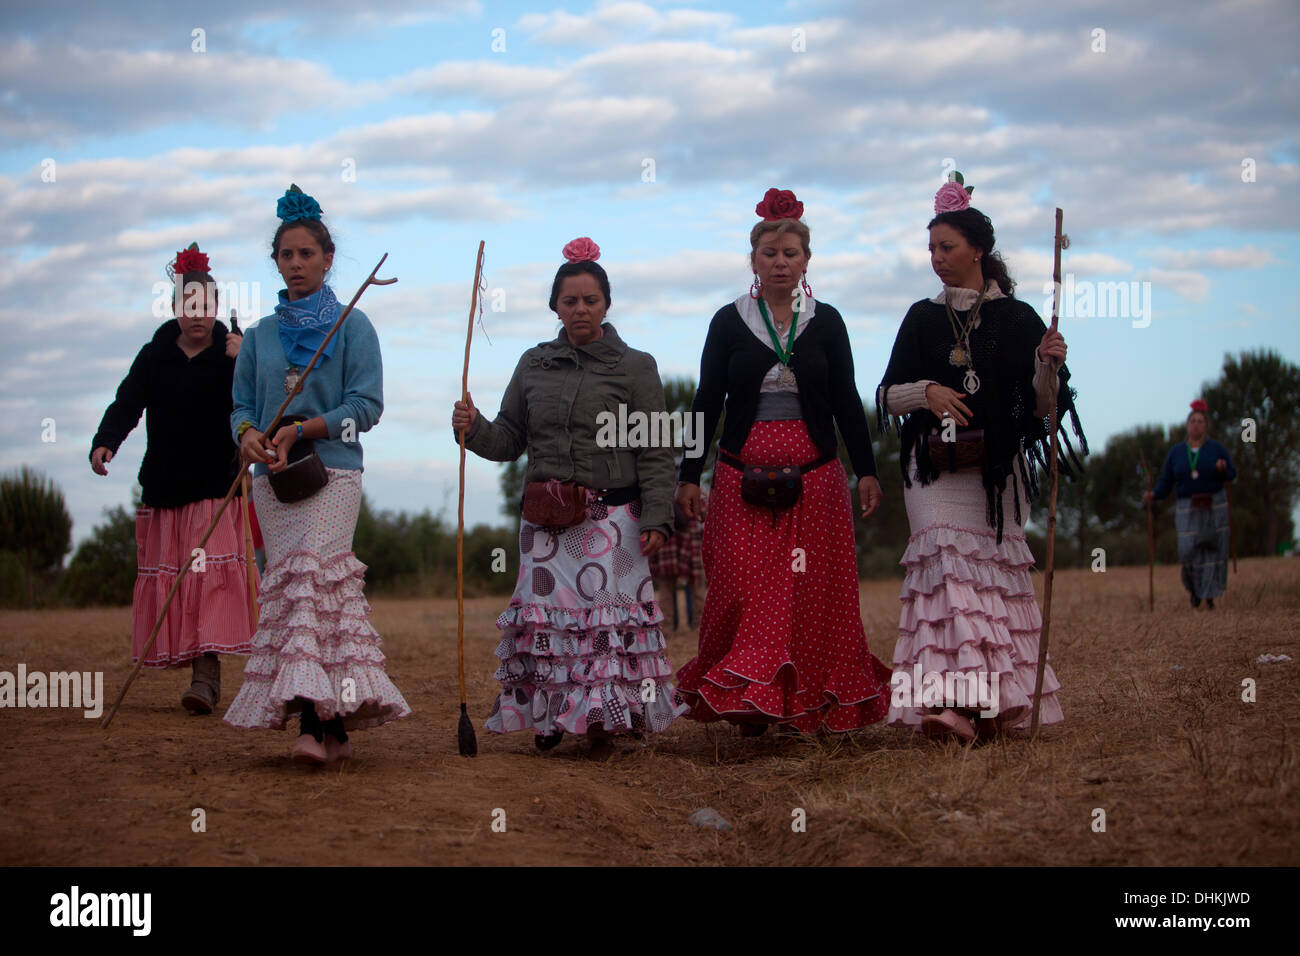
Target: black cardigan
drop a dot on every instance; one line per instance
(190, 455)
(733, 366)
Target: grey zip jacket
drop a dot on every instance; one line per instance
(550, 409)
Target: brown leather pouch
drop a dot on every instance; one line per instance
(305, 473)
(555, 504)
(966, 452)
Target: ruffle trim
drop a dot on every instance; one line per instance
(969, 607)
(637, 614)
(618, 706)
(266, 702)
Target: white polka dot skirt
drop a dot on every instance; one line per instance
(314, 638)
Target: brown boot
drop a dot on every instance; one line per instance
(205, 686)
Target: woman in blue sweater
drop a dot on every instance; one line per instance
(1197, 469)
(314, 653)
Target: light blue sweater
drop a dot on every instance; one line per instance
(347, 386)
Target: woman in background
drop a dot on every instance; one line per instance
(1198, 470)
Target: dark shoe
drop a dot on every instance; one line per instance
(205, 685)
(753, 729)
(1196, 602)
(1209, 602)
(549, 741)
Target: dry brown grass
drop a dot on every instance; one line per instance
(1156, 734)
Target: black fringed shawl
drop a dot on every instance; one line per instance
(1003, 352)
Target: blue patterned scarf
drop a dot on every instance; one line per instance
(305, 322)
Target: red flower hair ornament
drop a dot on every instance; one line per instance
(779, 204)
(1198, 405)
(188, 260)
(581, 249)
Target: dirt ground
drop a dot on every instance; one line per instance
(1156, 735)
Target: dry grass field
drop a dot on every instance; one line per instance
(1156, 735)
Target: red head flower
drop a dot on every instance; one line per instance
(1198, 405)
(779, 204)
(581, 250)
(190, 260)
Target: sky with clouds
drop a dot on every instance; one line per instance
(128, 130)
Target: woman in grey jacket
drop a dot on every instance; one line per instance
(581, 646)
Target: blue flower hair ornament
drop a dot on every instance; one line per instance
(296, 204)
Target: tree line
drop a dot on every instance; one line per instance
(1251, 413)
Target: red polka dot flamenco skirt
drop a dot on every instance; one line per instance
(779, 643)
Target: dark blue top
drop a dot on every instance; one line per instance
(1177, 472)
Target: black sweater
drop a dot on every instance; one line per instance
(734, 363)
(190, 455)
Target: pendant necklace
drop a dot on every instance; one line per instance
(786, 377)
(961, 351)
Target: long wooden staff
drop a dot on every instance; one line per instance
(466, 741)
(250, 559)
(270, 430)
(1051, 507)
(1232, 543)
(1151, 538)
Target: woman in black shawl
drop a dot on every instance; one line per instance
(969, 384)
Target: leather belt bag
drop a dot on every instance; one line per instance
(305, 473)
(772, 486)
(966, 452)
(555, 504)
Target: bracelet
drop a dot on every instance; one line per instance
(299, 429)
(243, 427)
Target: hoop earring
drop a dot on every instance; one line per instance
(807, 289)
(755, 288)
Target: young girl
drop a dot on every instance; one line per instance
(182, 377)
(314, 653)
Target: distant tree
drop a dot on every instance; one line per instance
(103, 570)
(1263, 388)
(512, 488)
(34, 523)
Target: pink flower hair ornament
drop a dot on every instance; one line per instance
(953, 195)
(581, 249)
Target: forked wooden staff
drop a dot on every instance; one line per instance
(234, 485)
(250, 559)
(1051, 507)
(1232, 542)
(466, 741)
(1151, 538)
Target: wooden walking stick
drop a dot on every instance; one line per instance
(250, 559)
(1232, 543)
(153, 635)
(1051, 507)
(466, 741)
(1151, 538)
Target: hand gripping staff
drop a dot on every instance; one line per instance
(465, 739)
(1061, 243)
(270, 429)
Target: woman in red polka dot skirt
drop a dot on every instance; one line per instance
(979, 366)
(581, 647)
(781, 637)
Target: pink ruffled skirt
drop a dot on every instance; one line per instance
(314, 638)
(970, 622)
(211, 612)
(581, 643)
